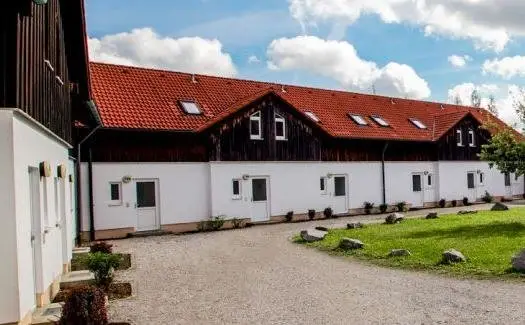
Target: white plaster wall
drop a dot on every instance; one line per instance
(293, 185)
(399, 182)
(453, 180)
(9, 306)
(184, 193)
(31, 146)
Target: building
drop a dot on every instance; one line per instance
(43, 87)
(175, 149)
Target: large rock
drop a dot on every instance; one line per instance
(399, 253)
(394, 218)
(518, 262)
(350, 243)
(432, 215)
(499, 207)
(354, 225)
(313, 235)
(453, 256)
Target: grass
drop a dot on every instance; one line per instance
(487, 239)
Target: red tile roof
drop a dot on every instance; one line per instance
(138, 98)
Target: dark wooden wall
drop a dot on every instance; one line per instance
(448, 148)
(30, 35)
(230, 140)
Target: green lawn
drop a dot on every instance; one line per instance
(487, 239)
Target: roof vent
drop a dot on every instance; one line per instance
(283, 90)
(193, 79)
(442, 106)
(392, 101)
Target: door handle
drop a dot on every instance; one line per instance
(33, 238)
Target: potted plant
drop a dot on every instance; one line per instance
(368, 207)
(311, 214)
(328, 213)
(383, 208)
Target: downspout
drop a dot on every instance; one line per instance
(91, 207)
(383, 173)
(79, 183)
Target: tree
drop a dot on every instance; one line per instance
(475, 99)
(519, 104)
(457, 100)
(491, 106)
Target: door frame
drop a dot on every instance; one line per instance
(476, 186)
(36, 229)
(422, 185)
(268, 195)
(347, 190)
(157, 202)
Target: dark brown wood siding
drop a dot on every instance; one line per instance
(230, 140)
(448, 148)
(33, 34)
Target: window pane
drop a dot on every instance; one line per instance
(470, 180)
(115, 192)
(191, 108)
(145, 194)
(279, 129)
(236, 187)
(254, 127)
(459, 137)
(340, 186)
(259, 190)
(418, 124)
(471, 138)
(312, 116)
(429, 180)
(322, 184)
(416, 183)
(358, 119)
(481, 176)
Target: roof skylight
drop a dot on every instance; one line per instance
(312, 116)
(418, 123)
(191, 107)
(379, 120)
(358, 119)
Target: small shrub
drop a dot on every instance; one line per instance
(85, 305)
(103, 266)
(368, 207)
(101, 247)
(465, 201)
(487, 198)
(401, 206)
(328, 213)
(454, 203)
(236, 223)
(216, 223)
(202, 226)
(442, 203)
(289, 216)
(383, 207)
(311, 214)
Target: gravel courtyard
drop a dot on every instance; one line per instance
(257, 276)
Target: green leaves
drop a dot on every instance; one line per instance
(103, 265)
(505, 152)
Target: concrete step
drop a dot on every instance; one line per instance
(150, 233)
(76, 278)
(77, 251)
(47, 315)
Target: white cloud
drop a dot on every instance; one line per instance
(507, 67)
(459, 61)
(489, 23)
(505, 97)
(339, 60)
(253, 59)
(144, 47)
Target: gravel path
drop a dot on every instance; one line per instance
(257, 276)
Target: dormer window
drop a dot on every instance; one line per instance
(280, 127)
(312, 116)
(471, 138)
(191, 107)
(358, 119)
(459, 137)
(418, 123)
(379, 120)
(255, 126)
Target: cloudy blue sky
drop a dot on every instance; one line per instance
(423, 49)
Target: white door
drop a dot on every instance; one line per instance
(340, 194)
(508, 186)
(430, 193)
(259, 209)
(418, 193)
(36, 229)
(472, 187)
(148, 217)
(63, 220)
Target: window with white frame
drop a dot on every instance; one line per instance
(280, 127)
(191, 107)
(379, 120)
(459, 137)
(471, 138)
(236, 189)
(481, 179)
(323, 185)
(418, 123)
(358, 119)
(255, 126)
(115, 193)
(430, 180)
(312, 116)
